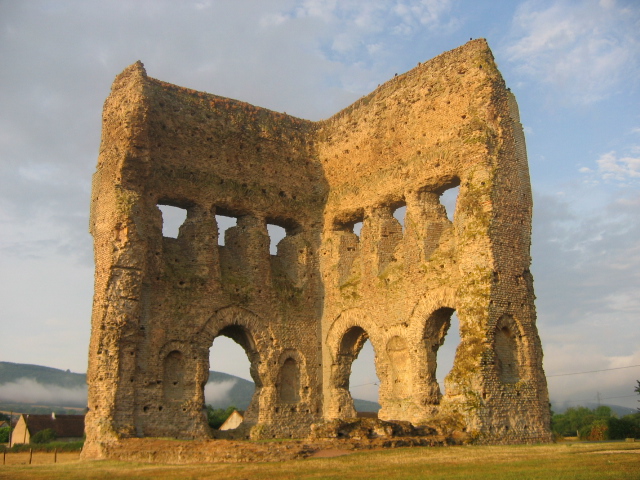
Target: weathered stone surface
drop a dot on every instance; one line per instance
(303, 315)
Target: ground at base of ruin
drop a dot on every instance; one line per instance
(568, 460)
(171, 451)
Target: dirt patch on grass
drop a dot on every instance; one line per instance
(330, 453)
(637, 452)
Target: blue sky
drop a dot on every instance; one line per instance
(573, 65)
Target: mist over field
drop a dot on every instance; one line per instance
(27, 390)
(218, 392)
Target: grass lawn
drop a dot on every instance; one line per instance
(583, 461)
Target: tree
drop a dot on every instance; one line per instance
(217, 416)
(578, 418)
(5, 433)
(637, 390)
(597, 424)
(580, 421)
(44, 436)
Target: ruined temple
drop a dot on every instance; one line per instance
(303, 314)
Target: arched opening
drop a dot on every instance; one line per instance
(173, 378)
(507, 350)
(442, 338)
(233, 378)
(361, 374)
(446, 353)
(400, 365)
(289, 382)
(364, 384)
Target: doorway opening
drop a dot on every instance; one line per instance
(230, 386)
(364, 383)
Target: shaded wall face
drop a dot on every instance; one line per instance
(209, 156)
(255, 166)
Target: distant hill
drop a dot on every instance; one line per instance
(35, 389)
(239, 395)
(12, 372)
(58, 390)
(365, 405)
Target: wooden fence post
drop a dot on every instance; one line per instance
(30, 455)
(55, 456)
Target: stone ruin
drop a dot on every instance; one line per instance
(303, 314)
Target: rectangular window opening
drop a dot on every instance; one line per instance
(276, 233)
(449, 199)
(172, 220)
(400, 213)
(357, 228)
(224, 223)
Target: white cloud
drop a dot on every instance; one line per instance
(273, 20)
(425, 12)
(612, 167)
(585, 50)
(351, 25)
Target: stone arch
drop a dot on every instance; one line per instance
(435, 330)
(437, 298)
(289, 381)
(249, 331)
(256, 340)
(428, 326)
(173, 377)
(346, 336)
(173, 405)
(293, 376)
(175, 361)
(509, 350)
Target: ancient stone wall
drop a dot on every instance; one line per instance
(303, 315)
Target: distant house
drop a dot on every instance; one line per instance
(67, 427)
(233, 421)
(4, 424)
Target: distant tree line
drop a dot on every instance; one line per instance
(597, 424)
(5, 432)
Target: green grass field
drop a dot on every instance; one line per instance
(583, 461)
